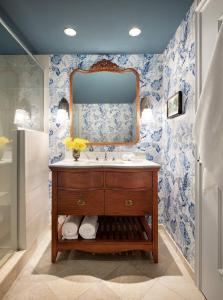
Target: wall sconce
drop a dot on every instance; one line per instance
(145, 104)
(21, 117)
(146, 110)
(23, 113)
(63, 111)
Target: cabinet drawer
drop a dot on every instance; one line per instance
(78, 180)
(128, 202)
(80, 202)
(129, 179)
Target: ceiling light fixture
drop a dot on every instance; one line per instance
(134, 31)
(70, 31)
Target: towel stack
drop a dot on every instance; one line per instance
(70, 227)
(87, 229)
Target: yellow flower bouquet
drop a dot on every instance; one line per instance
(4, 141)
(76, 145)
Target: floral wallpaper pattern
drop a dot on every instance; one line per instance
(105, 122)
(166, 141)
(179, 151)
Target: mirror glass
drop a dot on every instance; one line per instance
(104, 106)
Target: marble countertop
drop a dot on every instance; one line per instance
(84, 163)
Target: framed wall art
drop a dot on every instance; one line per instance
(174, 105)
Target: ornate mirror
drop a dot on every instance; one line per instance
(105, 104)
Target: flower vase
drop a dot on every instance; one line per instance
(76, 154)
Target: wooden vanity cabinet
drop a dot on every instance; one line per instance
(123, 198)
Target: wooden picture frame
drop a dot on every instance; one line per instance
(175, 105)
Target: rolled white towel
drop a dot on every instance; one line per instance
(70, 237)
(70, 227)
(128, 156)
(132, 156)
(61, 219)
(89, 227)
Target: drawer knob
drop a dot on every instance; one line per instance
(81, 202)
(129, 202)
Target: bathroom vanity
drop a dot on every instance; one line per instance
(122, 194)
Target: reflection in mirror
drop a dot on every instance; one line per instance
(104, 106)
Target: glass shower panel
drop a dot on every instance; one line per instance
(21, 105)
(29, 102)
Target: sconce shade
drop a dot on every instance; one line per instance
(145, 103)
(63, 104)
(63, 111)
(21, 117)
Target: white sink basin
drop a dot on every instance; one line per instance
(105, 162)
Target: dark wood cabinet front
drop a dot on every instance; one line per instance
(128, 202)
(128, 180)
(78, 180)
(123, 197)
(80, 202)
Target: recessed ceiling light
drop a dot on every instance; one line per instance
(70, 31)
(134, 31)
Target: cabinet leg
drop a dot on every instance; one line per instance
(155, 256)
(53, 255)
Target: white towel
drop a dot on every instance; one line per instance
(61, 219)
(208, 130)
(70, 227)
(89, 227)
(70, 237)
(128, 156)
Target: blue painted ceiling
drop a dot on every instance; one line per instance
(102, 26)
(8, 44)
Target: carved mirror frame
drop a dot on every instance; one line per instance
(107, 66)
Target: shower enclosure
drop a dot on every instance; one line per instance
(21, 106)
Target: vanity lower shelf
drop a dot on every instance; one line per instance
(115, 234)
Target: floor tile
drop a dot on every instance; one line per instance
(99, 291)
(181, 286)
(160, 292)
(131, 276)
(134, 291)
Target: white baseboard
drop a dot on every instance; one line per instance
(179, 252)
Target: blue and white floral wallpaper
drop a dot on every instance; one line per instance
(91, 121)
(166, 141)
(178, 184)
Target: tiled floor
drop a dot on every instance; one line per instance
(85, 276)
(4, 255)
